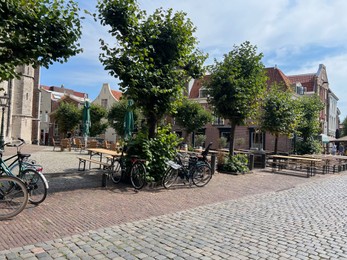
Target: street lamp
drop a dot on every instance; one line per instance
(3, 103)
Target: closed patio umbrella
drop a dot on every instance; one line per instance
(86, 121)
(129, 120)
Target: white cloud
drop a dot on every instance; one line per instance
(295, 35)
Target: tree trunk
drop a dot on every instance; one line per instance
(152, 126)
(276, 144)
(232, 137)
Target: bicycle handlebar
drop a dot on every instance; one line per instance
(16, 144)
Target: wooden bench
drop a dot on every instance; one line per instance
(83, 160)
(106, 166)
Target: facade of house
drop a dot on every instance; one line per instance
(317, 83)
(250, 137)
(107, 98)
(21, 115)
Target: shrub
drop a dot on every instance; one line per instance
(311, 146)
(236, 163)
(158, 150)
(222, 142)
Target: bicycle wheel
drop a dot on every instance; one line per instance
(170, 177)
(36, 186)
(202, 174)
(13, 197)
(116, 175)
(138, 175)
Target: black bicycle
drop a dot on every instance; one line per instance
(187, 167)
(135, 168)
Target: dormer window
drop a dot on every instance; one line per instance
(299, 89)
(203, 92)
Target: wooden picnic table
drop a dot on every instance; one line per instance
(108, 165)
(284, 161)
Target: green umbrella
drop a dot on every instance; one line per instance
(86, 119)
(129, 120)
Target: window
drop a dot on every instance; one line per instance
(257, 139)
(203, 93)
(218, 120)
(104, 103)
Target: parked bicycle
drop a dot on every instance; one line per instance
(29, 172)
(13, 196)
(194, 169)
(135, 168)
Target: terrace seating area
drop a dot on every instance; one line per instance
(78, 144)
(307, 165)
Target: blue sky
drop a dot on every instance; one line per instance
(296, 36)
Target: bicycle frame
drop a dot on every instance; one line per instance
(4, 168)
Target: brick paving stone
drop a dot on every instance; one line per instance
(285, 217)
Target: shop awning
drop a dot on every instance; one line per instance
(326, 139)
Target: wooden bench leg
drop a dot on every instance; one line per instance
(104, 180)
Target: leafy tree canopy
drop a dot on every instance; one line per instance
(344, 130)
(67, 116)
(37, 32)
(154, 56)
(280, 114)
(236, 86)
(310, 107)
(192, 116)
(97, 113)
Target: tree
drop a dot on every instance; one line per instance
(192, 116)
(68, 117)
(37, 32)
(116, 116)
(97, 113)
(309, 126)
(154, 56)
(344, 129)
(279, 114)
(236, 85)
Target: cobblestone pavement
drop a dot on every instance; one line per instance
(253, 216)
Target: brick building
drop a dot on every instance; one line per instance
(249, 137)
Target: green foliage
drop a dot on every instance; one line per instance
(279, 113)
(310, 107)
(344, 129)
(236, 86)
(310, 146)
(116, 116)
(158, 150)
(154, 57)
(200, 140)
(67, 116)
(37, 32)
(236, 163)
(192, 116)
(97, 114)
(222, 142)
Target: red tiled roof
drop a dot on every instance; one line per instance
(275, 75)
(306, 80)
(116, 94)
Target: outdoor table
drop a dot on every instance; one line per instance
(283, 159)
(102, 151)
